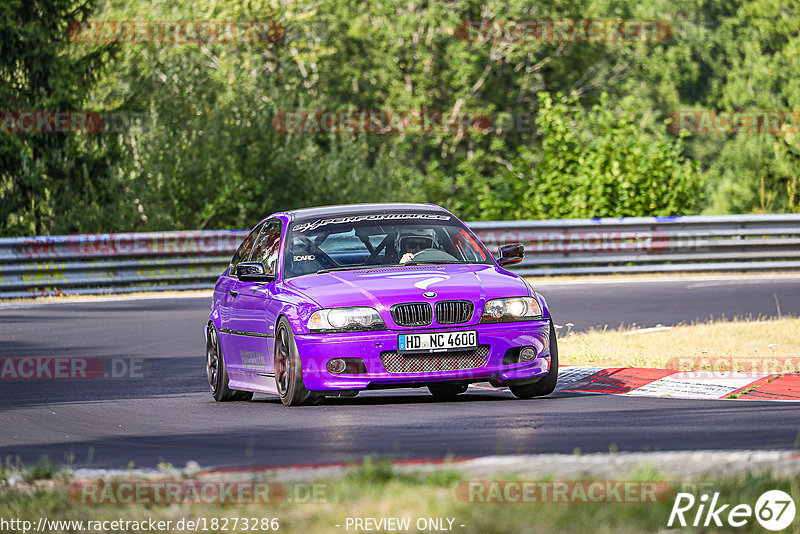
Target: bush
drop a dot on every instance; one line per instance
(596, 162)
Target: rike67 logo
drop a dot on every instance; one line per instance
(774, 510)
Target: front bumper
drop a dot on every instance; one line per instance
(317, 349)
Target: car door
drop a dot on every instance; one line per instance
(227, 292)
(252, 317)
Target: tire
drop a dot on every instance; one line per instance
(446, 391)
(217, 372)
(288, 369)
(547, 384)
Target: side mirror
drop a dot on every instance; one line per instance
(510, 254)
(253, 271)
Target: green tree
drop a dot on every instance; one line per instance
(210, 157)
(51, 183)
(731, 56)
(593, 163)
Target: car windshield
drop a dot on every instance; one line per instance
(380, 239)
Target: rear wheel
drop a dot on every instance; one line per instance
(217, 372)
(445, 391)
(288, 370)
(547, 384)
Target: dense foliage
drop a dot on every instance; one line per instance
(575, 129)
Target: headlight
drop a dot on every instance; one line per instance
(513, 309)
(345, 320)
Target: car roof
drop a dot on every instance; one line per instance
(357, 209)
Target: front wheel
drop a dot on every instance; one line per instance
(217, 372)
(547, 384)
(288, 370)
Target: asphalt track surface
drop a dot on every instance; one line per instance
(167, 415)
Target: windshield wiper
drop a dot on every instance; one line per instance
(348, 268)
(380, 266)
(433, 262)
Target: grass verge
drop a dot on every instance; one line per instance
(375, 490)
(768, 345)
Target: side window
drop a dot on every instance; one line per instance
(267, 246)
(245, 247)
(469, 250)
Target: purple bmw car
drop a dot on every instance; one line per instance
(330, 301)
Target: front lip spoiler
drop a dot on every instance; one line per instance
(377, 386)
(372, 386)
(517, 382)
(317, 350)
(388, 381)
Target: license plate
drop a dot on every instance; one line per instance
(437, 341)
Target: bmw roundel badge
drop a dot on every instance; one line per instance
(429, 294)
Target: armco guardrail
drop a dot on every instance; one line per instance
(651, 244)
(114, 263)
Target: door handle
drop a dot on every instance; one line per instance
(233, 292)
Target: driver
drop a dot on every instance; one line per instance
(412, 243)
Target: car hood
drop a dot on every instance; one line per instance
(383, 287)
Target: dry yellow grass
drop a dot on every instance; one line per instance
(769, 345)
